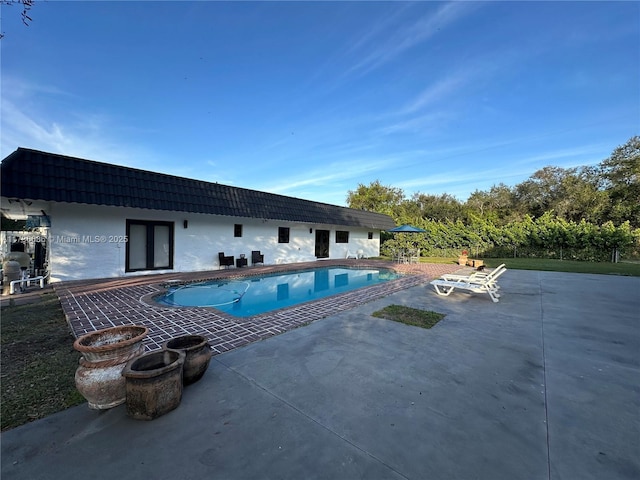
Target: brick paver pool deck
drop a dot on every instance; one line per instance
(99, 304)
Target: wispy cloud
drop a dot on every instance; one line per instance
(380, 28)
(406, 37)
(565, 158)
(385, 41)
(30, 122)
(420, 123)
(22, 128)
(438, 91)
(87, 138)
(459, 176)
(445, 176)
(441, 100)
(429, 110)
(25, 89)
(328, 175)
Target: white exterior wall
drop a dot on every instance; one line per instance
(87, 241)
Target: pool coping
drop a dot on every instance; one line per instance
(103, 303)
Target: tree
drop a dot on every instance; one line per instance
(621, 173)
(542, 191)
(496, 205)
(584, 213)
(581, 195)
(26, 6)
(376, 198)
(438, 207)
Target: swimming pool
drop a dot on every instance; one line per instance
(250, 296)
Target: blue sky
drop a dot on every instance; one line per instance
(311, 99)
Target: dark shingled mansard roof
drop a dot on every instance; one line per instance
(35, 175)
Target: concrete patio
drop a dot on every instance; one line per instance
(543, 385)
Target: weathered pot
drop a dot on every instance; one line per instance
(198, 354)
(104, 355)
(154, 383)
(462, 260)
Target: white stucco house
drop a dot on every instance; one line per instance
(96, 220)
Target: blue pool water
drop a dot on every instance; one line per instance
(260, 294)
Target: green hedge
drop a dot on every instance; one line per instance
(545, 237)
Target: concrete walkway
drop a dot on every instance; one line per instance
(543, 385)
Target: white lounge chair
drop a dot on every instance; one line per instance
(477, 275)
(487, 285)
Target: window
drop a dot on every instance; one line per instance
(370, 235)
(283, 234)
(237, 230)
(342, 236)
(149, 246)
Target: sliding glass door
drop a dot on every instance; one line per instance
(149, 246)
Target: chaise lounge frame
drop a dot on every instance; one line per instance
(474, 283)
(477, 276)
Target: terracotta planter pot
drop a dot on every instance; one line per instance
(462, 260)
(104, 355)
(154, 384)
(198, 354)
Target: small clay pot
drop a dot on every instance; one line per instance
(198, 354)
(154, 384)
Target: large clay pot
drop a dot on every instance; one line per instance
(154, 383)
(198, 354)
(104, 355)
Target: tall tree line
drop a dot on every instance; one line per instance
(590, 212)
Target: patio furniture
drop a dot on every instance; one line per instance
(257, 257)
(473, 284)
(225, 261)
(477, 276)
(350, 254)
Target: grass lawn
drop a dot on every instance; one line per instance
(38, 362)
(409, 316)
(551, 265)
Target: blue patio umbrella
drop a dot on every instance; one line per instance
(406, 229)
(402, 258)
